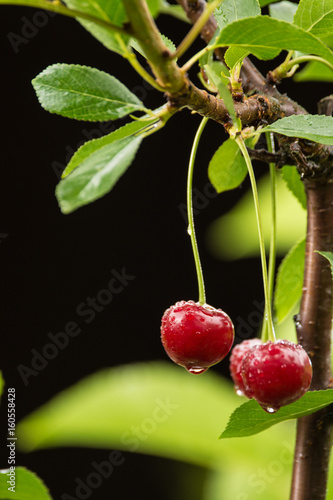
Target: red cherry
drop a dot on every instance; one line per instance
(276, 373)
(236, 359)
(196, 336)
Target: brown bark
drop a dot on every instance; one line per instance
(313, 325)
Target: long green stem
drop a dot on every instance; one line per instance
(268, 309)
(272, 246)
(195, 30)
(191, 229)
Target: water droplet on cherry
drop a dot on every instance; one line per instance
(269, 409)
(196, 370)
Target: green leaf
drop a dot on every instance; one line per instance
(96, 175)
(235, 236)
(227, 169)
(27, 486)
(84, 93)
(235, 55)
(316, 17)
(250, 418)
(317, 128)
(314, 71)
(214, 74)
(294, 183)
(263, 3)
(265, 37)
(283, 10)
(168, 43)
(102, 409)
(108, 10)
(90, 147)
(329, 257)
(232, 10)
(289, 281)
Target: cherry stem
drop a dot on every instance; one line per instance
(268, 309)
(272, 245)
(191, 229)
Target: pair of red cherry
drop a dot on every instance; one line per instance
(199, 336)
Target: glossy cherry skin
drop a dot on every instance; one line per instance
(276, 373)
(236, 358)
(196, 336)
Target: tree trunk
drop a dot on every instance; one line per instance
(314, 325)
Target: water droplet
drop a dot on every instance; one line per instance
(239, 392)
(189, 230)
(196, 370)
(269, 409)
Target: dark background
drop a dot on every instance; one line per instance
(50, 263)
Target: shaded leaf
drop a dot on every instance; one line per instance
(90, 147)
(84, 93)
(108, 10)
(232, 10)
(318, 128)
(234, 235)
(96, 175)
(265, 37)
(227, 169)
(283, 10)
(102, 410)
(27, 486)
(294, 183)
(289, 282)
(250, 418)
(316, 17)
(329, 257)
(314, 71)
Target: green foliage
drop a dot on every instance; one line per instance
(316, 17)
(263, 3)
(84, 93)
(232, 10)
(250, 418)
(234, 235)
(283, 10)
(136, 127)
(28, 486)
(97, 174)
(107, 10)
(215, 75)
(227, 169)
(317, 128)
(168, 43)
(314, 71)
(265, 37)
(289, 281)
(294, 183)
